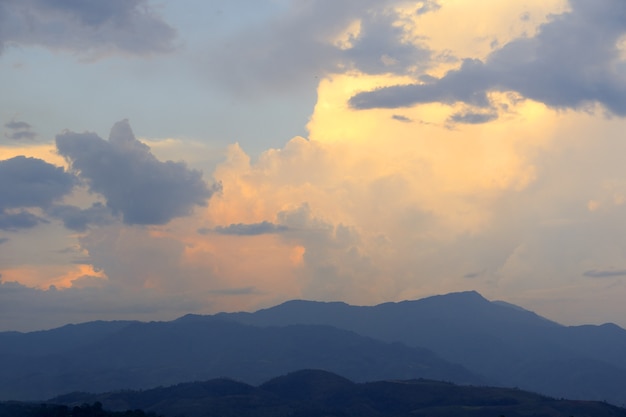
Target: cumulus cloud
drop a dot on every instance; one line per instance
(574, 60)
(78, 219)
(134, 182)
(89, 27)
(29, 183)
(312, 39)
(32, 182)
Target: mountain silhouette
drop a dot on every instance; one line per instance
(145, 355)
(459, 337)
(507, 344)
(319, 393)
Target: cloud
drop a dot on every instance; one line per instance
(236, 291)
(574, 60)
(19, 130)
(401, 118)
(428, 6)
(3, 240)
(312, 39)
(472, 118)
(78, 219)
(135, 184)
(22, 219)
(605, 273)
(13, 124)
(32, 182)
(252, 229)
(29, 183)
(87, 27)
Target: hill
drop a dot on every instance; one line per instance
(315, 393)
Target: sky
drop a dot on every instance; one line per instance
(165, 157)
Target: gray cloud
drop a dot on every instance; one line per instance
(29, 183)
(605, 273)
(19, 130)
(573, 61)
(252, 229)
(78, 219)
(401, 118)
(85, 26)
(32, 182)
(18, 220)
(3, 240)
(297, 46)
(134, 182)
(13, 124)
(472, 118)
(21, 134)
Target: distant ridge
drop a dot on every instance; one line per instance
(505, 343)
(145, 355)
(459, 337)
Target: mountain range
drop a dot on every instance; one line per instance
(460, 337)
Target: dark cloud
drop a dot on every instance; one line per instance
(401, 118)
(573, 61)
(134, 182)
(13, 221)
(252, 229)
(78, 219)
(297, 46)
(467, 84)
(472, 118)
(29, 183)
(605, 273)
(85, 26)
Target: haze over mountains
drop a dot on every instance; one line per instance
(460, 337)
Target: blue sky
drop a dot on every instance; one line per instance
(165, 157)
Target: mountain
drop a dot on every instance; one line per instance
(143, 355)
(459, 337)
(503, 342)
(313, 393)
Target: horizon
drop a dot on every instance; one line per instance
(163, 157)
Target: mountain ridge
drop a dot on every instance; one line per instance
(313, 392)
(461, 337)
